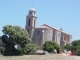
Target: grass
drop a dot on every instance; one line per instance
(40, 57)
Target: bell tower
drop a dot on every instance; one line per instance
(31, 22)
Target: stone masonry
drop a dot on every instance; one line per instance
(39, 35)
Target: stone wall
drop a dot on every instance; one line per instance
(62, 42)
(40, 37)
(48, 34)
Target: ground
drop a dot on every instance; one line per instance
(40, 57)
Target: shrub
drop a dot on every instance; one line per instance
(68, 47)
(31, 48)
(78, 49)
(14, 35)
(76, 46)
(78, 52)
(50, 46)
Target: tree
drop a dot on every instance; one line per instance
(50, 46)
(78, 50)
(2, 48)
(68, 47)
(76, 46)
(75, 43)
(14, 35)
(30, 48)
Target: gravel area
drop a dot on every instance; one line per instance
(40, 57)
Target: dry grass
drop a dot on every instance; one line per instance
(40, 57)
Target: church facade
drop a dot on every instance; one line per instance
(39, 35)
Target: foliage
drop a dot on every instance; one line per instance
(76, 46)
(78, 52)
(68, 47)
(78, 49)
(14, 35)
(2, 48)
(76, 43)
(30, 48)
(50, 46)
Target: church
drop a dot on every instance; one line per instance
(39, 35)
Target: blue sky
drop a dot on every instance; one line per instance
(56, 13)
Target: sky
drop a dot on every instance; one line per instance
(56, 13)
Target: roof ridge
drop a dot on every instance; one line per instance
(55, 28)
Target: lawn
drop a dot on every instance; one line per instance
(40, 57)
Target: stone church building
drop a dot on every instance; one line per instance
(44, 33)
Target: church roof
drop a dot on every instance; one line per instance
(42, 26)
(47, 26)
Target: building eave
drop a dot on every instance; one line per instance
(56, 29)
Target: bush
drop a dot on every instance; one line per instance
(78, 49)
(30, 48)
(10, 50)
(14, 35)
(68, 47)
(2, 48)
(50, 46)
(78, 52)
(76, 46)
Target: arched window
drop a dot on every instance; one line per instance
(58, 34)
(29, 22)
(38, 32)
(30, 13)
(34, 22)
(34, 13)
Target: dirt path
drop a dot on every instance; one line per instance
(40, 57)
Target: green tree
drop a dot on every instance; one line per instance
(30, 48)
(2, 48)
(50, 46)
(76, 46)
(14, 35)
(68, 47)
(76, 43)
(78, 50)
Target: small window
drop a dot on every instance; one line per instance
(34, 23)
(38, 32)
(34, 13)
(58, 34)
(29, 22)
(30, 13)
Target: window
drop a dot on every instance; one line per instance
(38, 32)
(34, 22)
(34, 13)
(58, 34)
(30, 13)
(29, 22)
